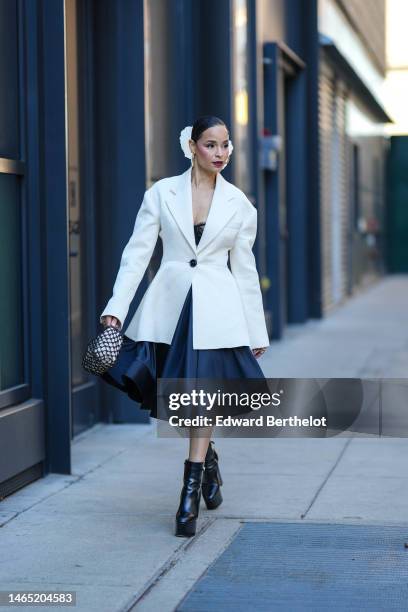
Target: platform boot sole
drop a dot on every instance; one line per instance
(186, 530)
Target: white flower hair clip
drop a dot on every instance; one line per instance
(185, 136)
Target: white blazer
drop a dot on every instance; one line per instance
(227, 305)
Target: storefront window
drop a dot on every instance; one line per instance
(11, 247)
(9, 119)
(11, 329)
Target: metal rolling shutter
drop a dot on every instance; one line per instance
(333, 186)
(342, 186)
(325, 136)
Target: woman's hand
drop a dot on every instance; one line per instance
(257, 352)
(109, 320)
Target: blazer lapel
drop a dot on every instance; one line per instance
(223, 207)
(180, 205)
(221, 210)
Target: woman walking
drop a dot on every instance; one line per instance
(198, 318)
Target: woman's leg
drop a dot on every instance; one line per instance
(199, 440)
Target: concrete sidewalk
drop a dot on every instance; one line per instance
(367, 337)
(106, 531)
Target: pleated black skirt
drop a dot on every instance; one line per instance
(141, 363)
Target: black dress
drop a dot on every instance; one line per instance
(141, 363)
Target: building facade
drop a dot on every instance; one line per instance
(353, 147)
(95, 94)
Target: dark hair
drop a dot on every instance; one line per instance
(203, 123)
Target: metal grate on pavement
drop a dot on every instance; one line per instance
(294, 567)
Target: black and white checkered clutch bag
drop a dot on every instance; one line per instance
(102, 351)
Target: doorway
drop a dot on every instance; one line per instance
(284, 185)
(84, 387)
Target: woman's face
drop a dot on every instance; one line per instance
(211, 149)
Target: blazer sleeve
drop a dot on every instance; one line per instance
(243, 268)
(135, 257)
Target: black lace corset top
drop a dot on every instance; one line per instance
(198, 231)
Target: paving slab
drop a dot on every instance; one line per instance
(364, 337)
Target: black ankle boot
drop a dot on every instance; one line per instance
(212, 481)
(187, 513)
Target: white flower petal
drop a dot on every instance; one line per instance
(185, 136)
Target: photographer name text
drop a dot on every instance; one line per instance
(259, 421)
